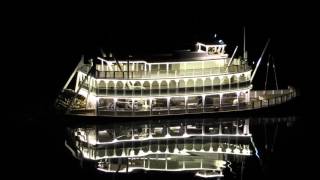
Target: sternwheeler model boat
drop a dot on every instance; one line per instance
(202, 81)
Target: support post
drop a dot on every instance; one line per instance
(168, 105)
(203, 101)
(128, 68)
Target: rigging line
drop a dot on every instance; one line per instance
(275, 73)
(266, 81)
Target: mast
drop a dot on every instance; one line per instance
(244, 44)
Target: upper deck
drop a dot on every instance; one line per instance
(206, 60)
(144, 70)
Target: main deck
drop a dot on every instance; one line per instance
(258, 99)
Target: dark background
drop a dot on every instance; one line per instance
(46, 41)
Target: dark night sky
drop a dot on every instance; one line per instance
(46, 41)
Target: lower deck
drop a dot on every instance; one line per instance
(258, 99)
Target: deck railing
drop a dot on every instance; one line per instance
(259, 99)
(171, 73)
(171, 91)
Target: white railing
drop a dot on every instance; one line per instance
(259, 99)
(171, 73)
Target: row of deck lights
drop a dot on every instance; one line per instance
(150, 136)
(237, 150)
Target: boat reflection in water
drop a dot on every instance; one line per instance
(206, 147)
